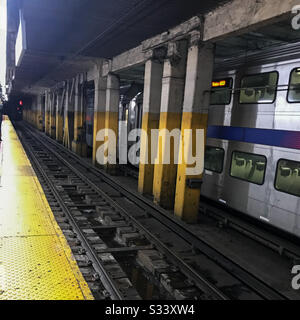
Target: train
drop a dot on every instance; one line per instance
(252, 159)
(252, 156)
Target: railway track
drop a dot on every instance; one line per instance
(253, 231)
(124, 237)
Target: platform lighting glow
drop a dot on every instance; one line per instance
(2, 41)
(21, 41)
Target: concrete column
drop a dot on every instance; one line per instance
(66, 137)
(99, 111)
(170, 119)
(34, 111)
(47, 113)
(79, 145)
(52, 115)
(151, 114)
(39, 119)
(60, 97)
(195, 116)
(112, 113)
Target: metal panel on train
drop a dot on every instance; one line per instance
(255, 138)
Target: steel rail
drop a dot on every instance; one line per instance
(105, 278)
(262, 236)
(169, 221)
(200, 281)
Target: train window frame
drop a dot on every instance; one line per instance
(244, 180)
(289, 86)
(223, 161)
(276, 174)
(256, 74)
(231, 88)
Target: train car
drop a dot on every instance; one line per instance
(130, 113)
(252, 161)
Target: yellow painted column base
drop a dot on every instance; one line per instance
(66, 137)
(39, 121)
(186, 199)
(165, 174)
(78, 124)
(112, 123)
(146, 170)
(47, 123)
(53, 133)
(59, 128)
(99, 124)
(79, 148)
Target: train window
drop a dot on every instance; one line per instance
(288, 177)
(259, 88)
(214, 159)
(221, 91)
(294, 86)
(249, 167)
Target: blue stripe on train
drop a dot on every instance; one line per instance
(269, 137)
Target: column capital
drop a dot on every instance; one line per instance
(196, 38)
(175, 54)
(157, 54)
(113, 81)
(100, 83)
(106, 68)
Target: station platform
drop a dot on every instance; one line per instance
(36, 262)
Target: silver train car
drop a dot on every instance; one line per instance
(252, 160)
(130, 112)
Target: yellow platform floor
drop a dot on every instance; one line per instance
(36, 262)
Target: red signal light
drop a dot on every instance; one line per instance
(21, 103)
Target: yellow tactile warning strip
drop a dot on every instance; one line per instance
(36, 262)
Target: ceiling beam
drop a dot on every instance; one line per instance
(241, 16)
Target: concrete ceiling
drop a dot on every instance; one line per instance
(58, 30)
(233, 48)
(280, 33)
(102, 28)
